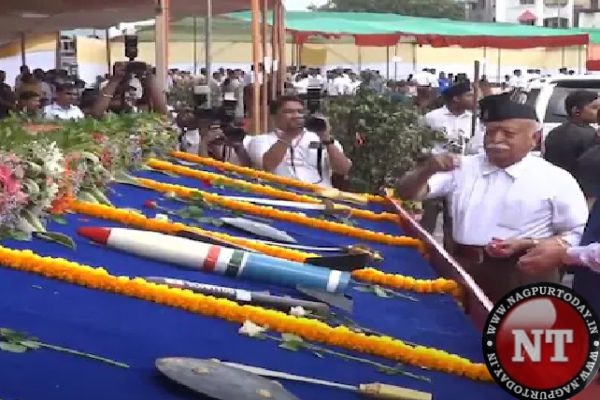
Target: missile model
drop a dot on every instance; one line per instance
(241, 296)
(218, 259)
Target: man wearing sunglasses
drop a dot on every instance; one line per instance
(64, 104)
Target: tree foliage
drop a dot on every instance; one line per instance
(415, 8)
(392, 137)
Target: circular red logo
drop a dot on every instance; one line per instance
(542, 341)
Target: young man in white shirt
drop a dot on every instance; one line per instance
(295, 152)
(455, 118)
(502, 202)
(64, 105)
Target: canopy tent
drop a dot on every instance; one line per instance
(377, 29)
(19, 17)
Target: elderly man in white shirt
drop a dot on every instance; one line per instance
(64, 105)
(296, 152)
(504, 201)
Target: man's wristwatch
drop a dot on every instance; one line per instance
(328, 142)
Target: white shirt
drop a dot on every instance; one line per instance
(587, 256)
(54, 111)
(530, 199)
(304, 166)
(422, 78)
(517, 82)
(301, 86)
(337, 86)
(457, 128)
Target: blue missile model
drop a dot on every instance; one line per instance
(221, 260)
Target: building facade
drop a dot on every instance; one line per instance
(587, 13)
(549, 13)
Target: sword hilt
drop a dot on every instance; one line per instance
(390, 392)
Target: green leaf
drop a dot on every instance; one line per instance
(20, 236)
(12, 347)
(290, 337)
(292, 346)
(59, 219)
(195, 211)
(57, 237)
(31, 344)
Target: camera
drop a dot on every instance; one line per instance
(315, 124)
(136, 68)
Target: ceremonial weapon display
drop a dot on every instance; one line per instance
(259, 229)
(244, 296)
(371, 390)
(217, 259)
(219, 381)
(343, 262)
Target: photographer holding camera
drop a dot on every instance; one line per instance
(218, 136)
(299, 149)
(120, 95)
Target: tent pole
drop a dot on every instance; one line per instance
(562, 57)
(274, 67)
(57, 62)
(255, 57)
(387, 63)
(208, 39)
(264, 104)
(162, 44)
(23, 49)
(414, 56)
(108, 51)
(282, 48)
(499, 66)
(195, 48)
(396, 62)
(484, 60)
(476, 98)
(359, 59)
(579, 59)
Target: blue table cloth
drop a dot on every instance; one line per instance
(137, 332)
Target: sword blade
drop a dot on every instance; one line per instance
(290, 377)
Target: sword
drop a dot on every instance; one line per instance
(370, 390)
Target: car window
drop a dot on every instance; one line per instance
(555, 112)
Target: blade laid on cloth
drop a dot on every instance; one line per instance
(284, 375)
(259, 229)
(334, 300)
(278, 203)
(219, 381)
(302, 247)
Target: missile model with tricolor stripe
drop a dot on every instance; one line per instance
(218, 259)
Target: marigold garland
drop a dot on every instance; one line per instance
(253, 173)
(439, 285)
(261, 189)
(368, 275)
(287, 216)
(312, 330)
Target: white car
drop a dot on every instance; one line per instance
(549, 101)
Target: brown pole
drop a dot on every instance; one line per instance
(23, 49)
(108, 51)
(476, 74)
(57, 62)
(264, 103)
(282, 48)
(255, 57)
(275, 51)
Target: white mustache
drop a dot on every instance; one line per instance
(497, 147)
